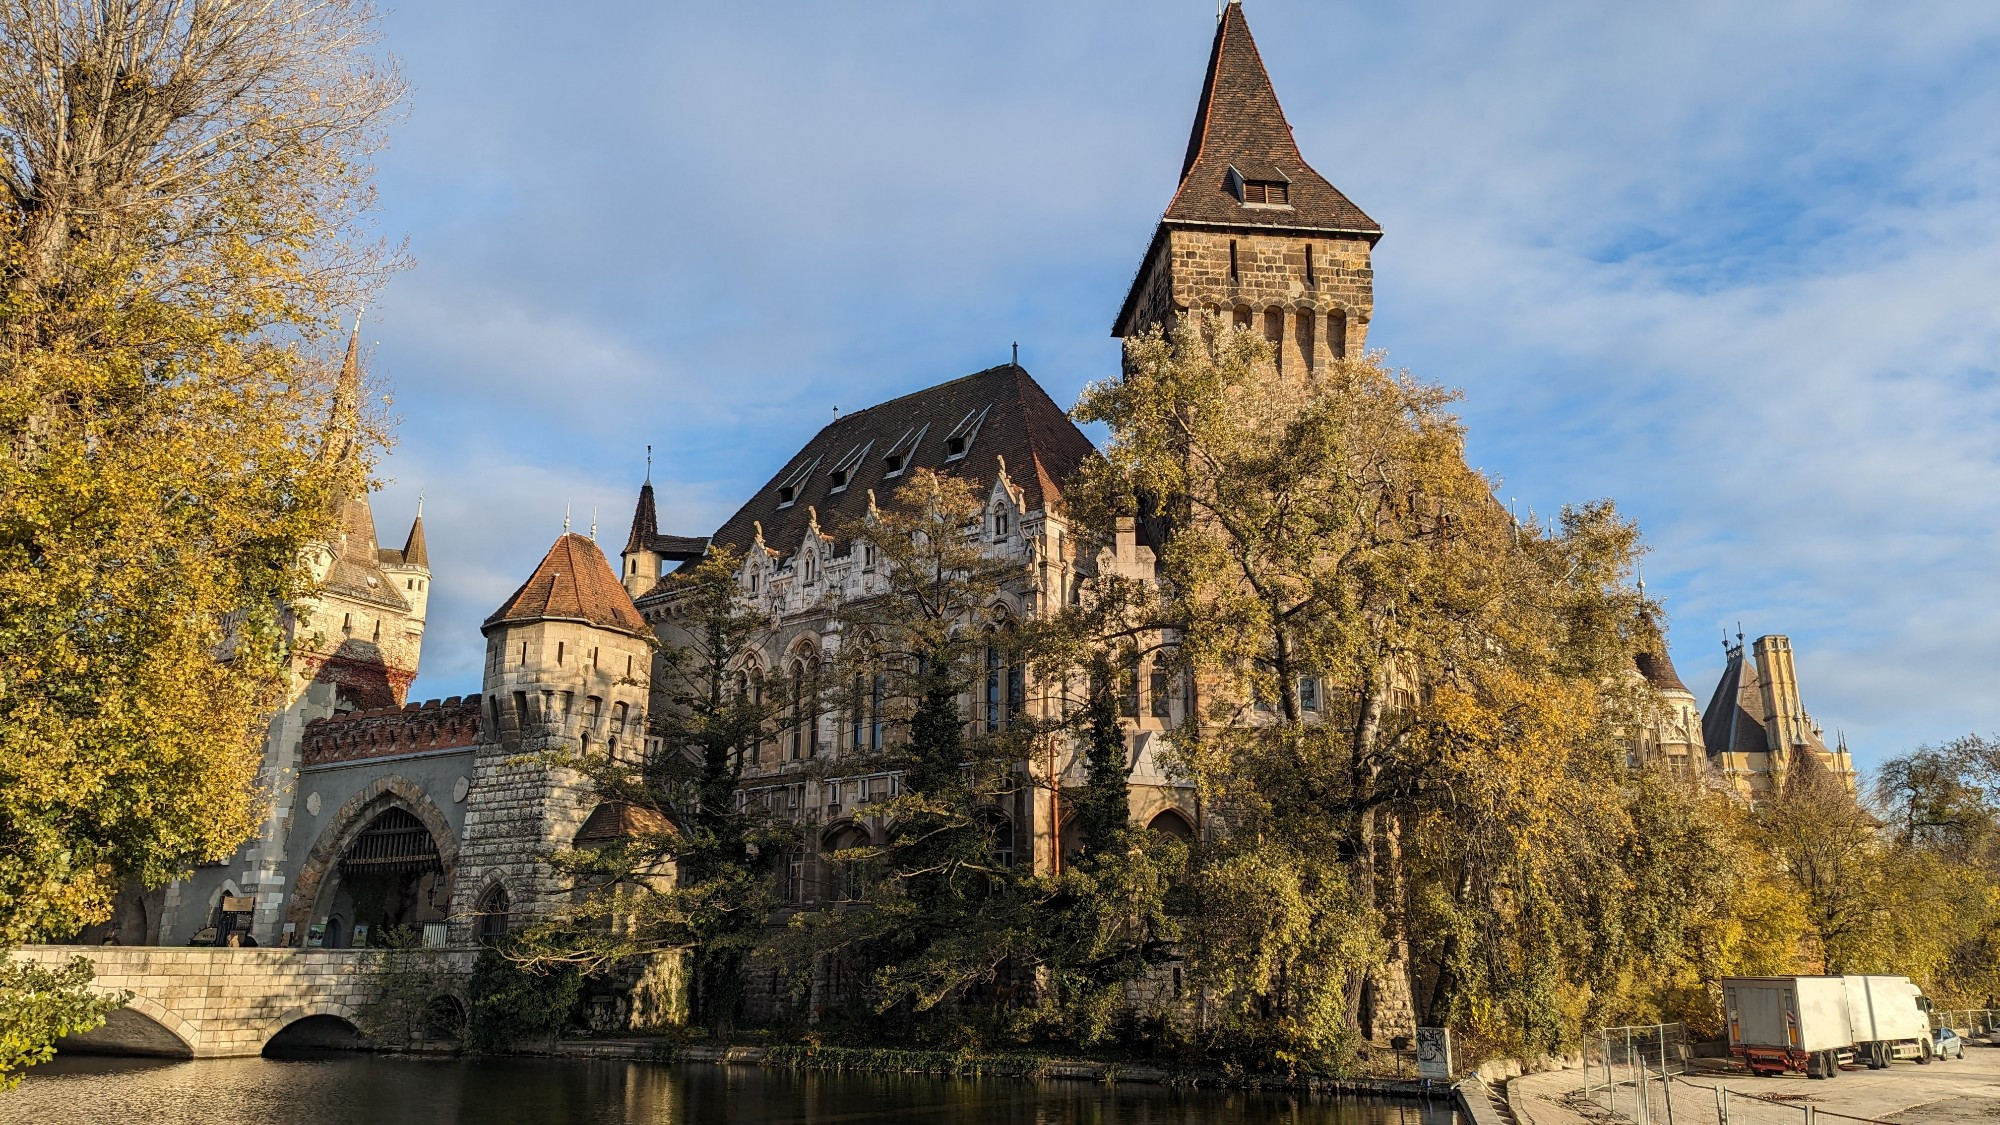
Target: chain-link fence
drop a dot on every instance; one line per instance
(1967, 1021)
(1630, 1076)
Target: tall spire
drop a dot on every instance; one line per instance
(415, 552)
(343, 427)
(645, 520)
(1239, 126)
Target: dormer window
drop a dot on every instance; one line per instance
(1260, 186)
(845, 468)
(788, 489)
(960, 438)
(1267, 192)
(899, 455)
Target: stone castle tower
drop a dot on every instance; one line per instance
(1756, 725)
(1253, 232)
(568, 667)
(355, 646)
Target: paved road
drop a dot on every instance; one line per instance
(1950, 1093)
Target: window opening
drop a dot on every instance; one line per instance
(1158, 686)
(1233, 275)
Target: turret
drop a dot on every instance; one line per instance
(641, 563)
(568, 666)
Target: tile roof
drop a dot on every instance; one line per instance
(1652, 659)
(999, 413)
(646, 535)
(415, 553)
(613, 821)
(1239, 123)
(573, 582)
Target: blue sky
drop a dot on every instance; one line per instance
(1732, 265)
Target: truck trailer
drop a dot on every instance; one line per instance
(1777, 1024)
(1890, 1019)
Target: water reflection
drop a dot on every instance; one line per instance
(359, 1088)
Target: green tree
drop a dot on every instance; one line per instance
(1400, 687)
(943, 916)
(39, 1006)
(693, 872)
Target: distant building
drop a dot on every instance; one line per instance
(1756, 726)
(1670, 737)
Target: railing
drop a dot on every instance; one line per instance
(1637, 1064)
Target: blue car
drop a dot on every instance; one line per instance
(1945, 1044)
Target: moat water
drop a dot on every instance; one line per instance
(366, 1090)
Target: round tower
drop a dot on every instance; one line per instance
(568, 667)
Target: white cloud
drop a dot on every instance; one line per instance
(1732, 266)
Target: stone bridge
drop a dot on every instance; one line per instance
(220, 1003)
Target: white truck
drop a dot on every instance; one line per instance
(1814, 1024)
(1890, 1019)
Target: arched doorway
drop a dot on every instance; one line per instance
(1172, 822)
(388, 886)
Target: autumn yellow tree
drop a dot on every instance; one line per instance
(182, 193)
(1411, 704)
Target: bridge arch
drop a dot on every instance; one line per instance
(141, 1027)
(312, 1025)
(309, 890)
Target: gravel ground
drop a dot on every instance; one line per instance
(1949, 1093)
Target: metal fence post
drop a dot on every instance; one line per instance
(1666, 1081)
(1722, 1105)
(1610, 1091)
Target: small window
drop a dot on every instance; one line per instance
(786, 494)
(1233, 275)
(1309, 693)
(999, 525)
(1267, 192)
(895, 463)
(559, 652)
(1159, 689)
(955, 447)
(839, 478)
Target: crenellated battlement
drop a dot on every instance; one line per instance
(389, 731)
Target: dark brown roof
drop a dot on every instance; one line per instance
(1658, 668)
(415, 553)
(999, 413)
(615, 820)
(574, 582)
(1240, 124)
(646, 535)
(1652, 659)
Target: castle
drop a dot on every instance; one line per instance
(430, 815)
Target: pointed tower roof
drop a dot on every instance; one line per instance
(574, 582)
(1735, 717)
(1239, 124)
(645, 521)
(415, 553)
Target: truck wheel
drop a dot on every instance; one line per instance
(1924, 1055)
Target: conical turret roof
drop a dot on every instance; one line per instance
(574, 582)
(415, 552)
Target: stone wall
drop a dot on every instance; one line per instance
(381, 732)
(216, 1003)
